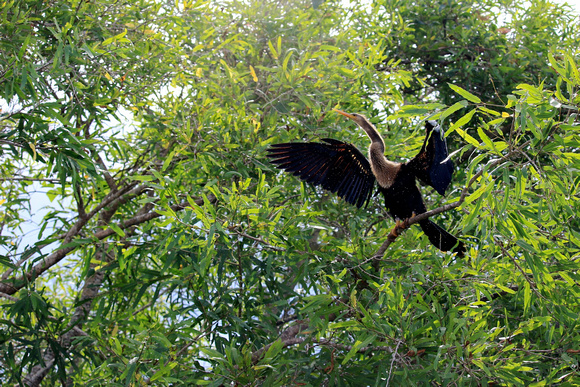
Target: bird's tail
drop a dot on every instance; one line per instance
(441, 238)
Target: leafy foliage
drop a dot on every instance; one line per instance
(486, 47)
(170, 251)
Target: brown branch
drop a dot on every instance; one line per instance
(288, 337)
(344, 347)
(108, 178)
(110, 199)
(68, 236)
(16, 265)
(59, 254)
(34, 379)
(393, 362)
(6, 296)
(286, 319)
(89, 293)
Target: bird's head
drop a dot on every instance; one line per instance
(365, 124)
(361, 120)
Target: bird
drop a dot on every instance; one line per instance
(341, 168)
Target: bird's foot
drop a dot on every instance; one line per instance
(405, 223)
(399, 225)
(395, 231)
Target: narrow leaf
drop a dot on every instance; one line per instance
(453, 108)
(253, 72)
(117, 229)
(464, 93)
(460, 122)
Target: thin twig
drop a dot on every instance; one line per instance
(26, 178)
(395, 353)
(345, 347)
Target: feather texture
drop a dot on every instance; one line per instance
(430, 165)
(334, 165)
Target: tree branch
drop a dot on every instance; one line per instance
(34, 379)
(288, 337)
(344, 347)
(59, 254)
(89, 293)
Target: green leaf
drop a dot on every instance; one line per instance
(460, 122)
(527, 297)
(273, 351)
(117, 229)
(453, 108)
(485, 139)
(272, 50)
(556, 66)
(357, 346)
(168, 161)
(475, 195)
(465, 94)
(467, 137)
(489, 111)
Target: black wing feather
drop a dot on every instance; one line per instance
(431, 165)
(336, 166)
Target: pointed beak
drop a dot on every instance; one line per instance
(344, 114)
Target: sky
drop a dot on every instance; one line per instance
(575, 4)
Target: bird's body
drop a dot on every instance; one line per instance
(341, 168)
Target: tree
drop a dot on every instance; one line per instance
(173, 253)
(486, 47)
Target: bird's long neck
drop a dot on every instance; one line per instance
(383, 169)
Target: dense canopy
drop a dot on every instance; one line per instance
(146, 239)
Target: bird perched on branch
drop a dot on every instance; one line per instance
(341, 168)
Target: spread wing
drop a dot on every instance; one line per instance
(334, 165)
(430, 164)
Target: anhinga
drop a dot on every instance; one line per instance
(341, 168)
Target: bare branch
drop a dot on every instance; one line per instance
(6, 296)
(34, 379)
(393, 362)
(344, 347)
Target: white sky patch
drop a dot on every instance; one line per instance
(573, 3)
